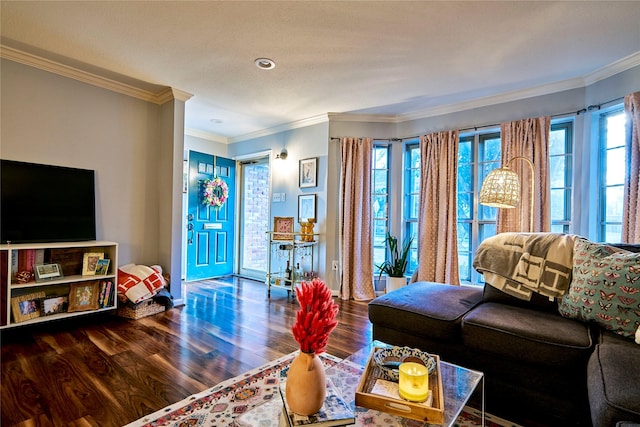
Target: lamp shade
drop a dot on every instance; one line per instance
(501, 189)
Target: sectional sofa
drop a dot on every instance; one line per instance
(571, 360)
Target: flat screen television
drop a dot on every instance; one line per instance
(44, 203)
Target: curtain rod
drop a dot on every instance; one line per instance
(553, 116)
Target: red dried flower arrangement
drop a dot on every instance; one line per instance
(316, 317)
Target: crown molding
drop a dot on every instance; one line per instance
(617, 67)
(54, 67)
(171, 93)
(612, 69)
(206, 135)
(321, 118)
(493, 100)
(352, 117)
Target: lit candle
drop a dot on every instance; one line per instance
(414, 382)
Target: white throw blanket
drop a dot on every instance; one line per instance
(522, 263)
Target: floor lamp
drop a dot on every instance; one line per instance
(501, 188)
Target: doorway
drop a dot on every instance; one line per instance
(255, 192)
(210, 229)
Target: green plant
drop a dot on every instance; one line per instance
(397, 264)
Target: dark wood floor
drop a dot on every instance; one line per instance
(108, 371)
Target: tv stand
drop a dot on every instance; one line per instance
(61, 290)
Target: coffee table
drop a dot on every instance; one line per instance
(458, 384)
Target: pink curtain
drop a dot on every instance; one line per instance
(355, 215)
(527, 138)
(631, 207)
(437, 228)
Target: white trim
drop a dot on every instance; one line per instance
(612, 69)
(348, 117)
(251, 156)
(321, 118)
(206, 135)
(166, 94)
(494, 100)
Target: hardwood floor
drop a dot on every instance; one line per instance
(109, 371)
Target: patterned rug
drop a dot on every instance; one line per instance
(253, 399)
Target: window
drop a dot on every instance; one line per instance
(560, 171)
(412, 200)
(612, 172)
(478, 154)
(380, 202)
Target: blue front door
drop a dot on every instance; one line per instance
(210, 230)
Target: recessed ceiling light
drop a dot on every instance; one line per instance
(265, 63)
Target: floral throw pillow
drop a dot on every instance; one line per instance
(605, 288)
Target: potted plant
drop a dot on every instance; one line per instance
(397, 264)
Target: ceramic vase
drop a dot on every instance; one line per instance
(393, 283)
(306, 384)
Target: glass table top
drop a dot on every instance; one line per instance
(458, 385)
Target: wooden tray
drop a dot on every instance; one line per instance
(433, 414)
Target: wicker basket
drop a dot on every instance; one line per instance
(143, 309)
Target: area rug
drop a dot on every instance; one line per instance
(253, 400)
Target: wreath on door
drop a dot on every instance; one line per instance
(215, 192)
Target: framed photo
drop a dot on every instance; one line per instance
(54, 305)
(46, 272)
(83, 296)
(306, 207)
(26, 307)
(102, 267)
(308, 172)
(282, 227)
(90, 262)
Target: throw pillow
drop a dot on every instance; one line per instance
(605, 288)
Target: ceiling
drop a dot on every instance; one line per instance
(396, 59)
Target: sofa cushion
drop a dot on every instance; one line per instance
(613, 377)
(530, 336)
(537, 301)
(605, 288)
(425, 308)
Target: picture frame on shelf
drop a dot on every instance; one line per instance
(307, 207)
(102, 267)
(25, 307)
(55, 305)
(308, 172)
(45, 272)
(90, 262)
(83, 296)
(282, 228)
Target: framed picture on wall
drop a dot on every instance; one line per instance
(306, 207)
(308, 172)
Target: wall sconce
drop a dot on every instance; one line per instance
(283, 154)
(501, 188)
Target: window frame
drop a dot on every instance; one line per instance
(603, 186)
(387, 218)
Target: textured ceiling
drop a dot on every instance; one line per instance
(390, 58)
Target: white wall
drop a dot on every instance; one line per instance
(55, 120)
(302, 143)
